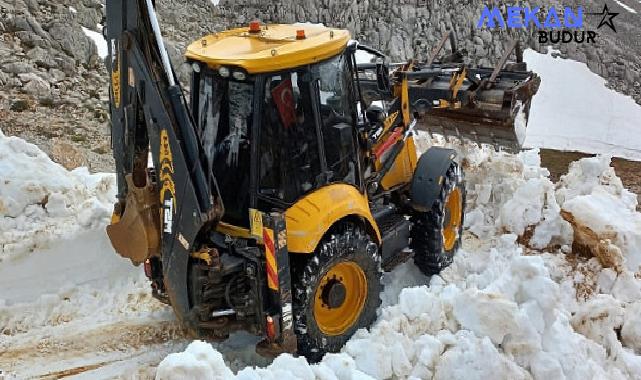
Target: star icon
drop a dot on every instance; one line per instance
(607, 18)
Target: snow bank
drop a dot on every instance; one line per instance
(595, 198)
(510, 306)
(66, 298)
(58, 216)
(41, 201)
(585, 116)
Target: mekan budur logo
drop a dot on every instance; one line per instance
(557, 26)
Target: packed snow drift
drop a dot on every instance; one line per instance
(40, 201)
(66, 299)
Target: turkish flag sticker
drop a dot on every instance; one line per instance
(283, 96)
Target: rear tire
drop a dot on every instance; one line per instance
(436, 234)
(336, 291)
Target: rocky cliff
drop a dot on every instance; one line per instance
(53, 84)
(410, 28)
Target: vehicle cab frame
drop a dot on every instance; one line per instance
(278, 136)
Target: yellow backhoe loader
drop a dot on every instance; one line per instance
(274, 198)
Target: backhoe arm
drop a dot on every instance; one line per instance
(159, 212)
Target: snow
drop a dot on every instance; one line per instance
(573, 110)
(503, 309)
(364, 57)
(99, 40)
(40, 201)
(513, 305)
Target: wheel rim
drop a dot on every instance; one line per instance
(453, 216)
(339, 298)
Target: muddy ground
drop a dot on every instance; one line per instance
(557, 162)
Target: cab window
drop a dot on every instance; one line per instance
(337, 118)
(225, 115)
(290, 163)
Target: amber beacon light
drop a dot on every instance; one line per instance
(254, 27)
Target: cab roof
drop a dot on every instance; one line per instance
(275, 47)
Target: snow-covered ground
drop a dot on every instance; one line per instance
(66, 299)
(41, 201)
(546, 285)
(516, 303)
(574, 110)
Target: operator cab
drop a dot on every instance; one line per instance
(276, 110)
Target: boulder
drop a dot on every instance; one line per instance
(17, 67)
(73, 41)
(57, 75)
(42, 57)
(67, 155)
(19, 23)
(31, 39)
(35, 85)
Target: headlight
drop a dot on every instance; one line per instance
(224, 72)
(239, 75)
(196, 67)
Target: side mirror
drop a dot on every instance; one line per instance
(375, 114)
(382, 79)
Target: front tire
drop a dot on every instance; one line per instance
(436, 234)
(336, 292)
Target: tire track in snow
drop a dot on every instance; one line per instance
(71, 354)
(76, 307)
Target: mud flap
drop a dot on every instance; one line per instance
(136, 235)
(428, 177)
(283, 338)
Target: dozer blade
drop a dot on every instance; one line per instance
(136, 235)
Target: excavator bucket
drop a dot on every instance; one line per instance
(136, 235)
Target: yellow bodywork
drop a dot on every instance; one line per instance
(235, 231)
(274, 48)
(403, 169)
(310, 218)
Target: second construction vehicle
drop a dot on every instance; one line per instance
(272, 200)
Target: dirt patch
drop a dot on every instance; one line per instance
(558, 162)
(588, 243)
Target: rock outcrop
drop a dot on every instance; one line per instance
(53, 85)
(410, 28)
